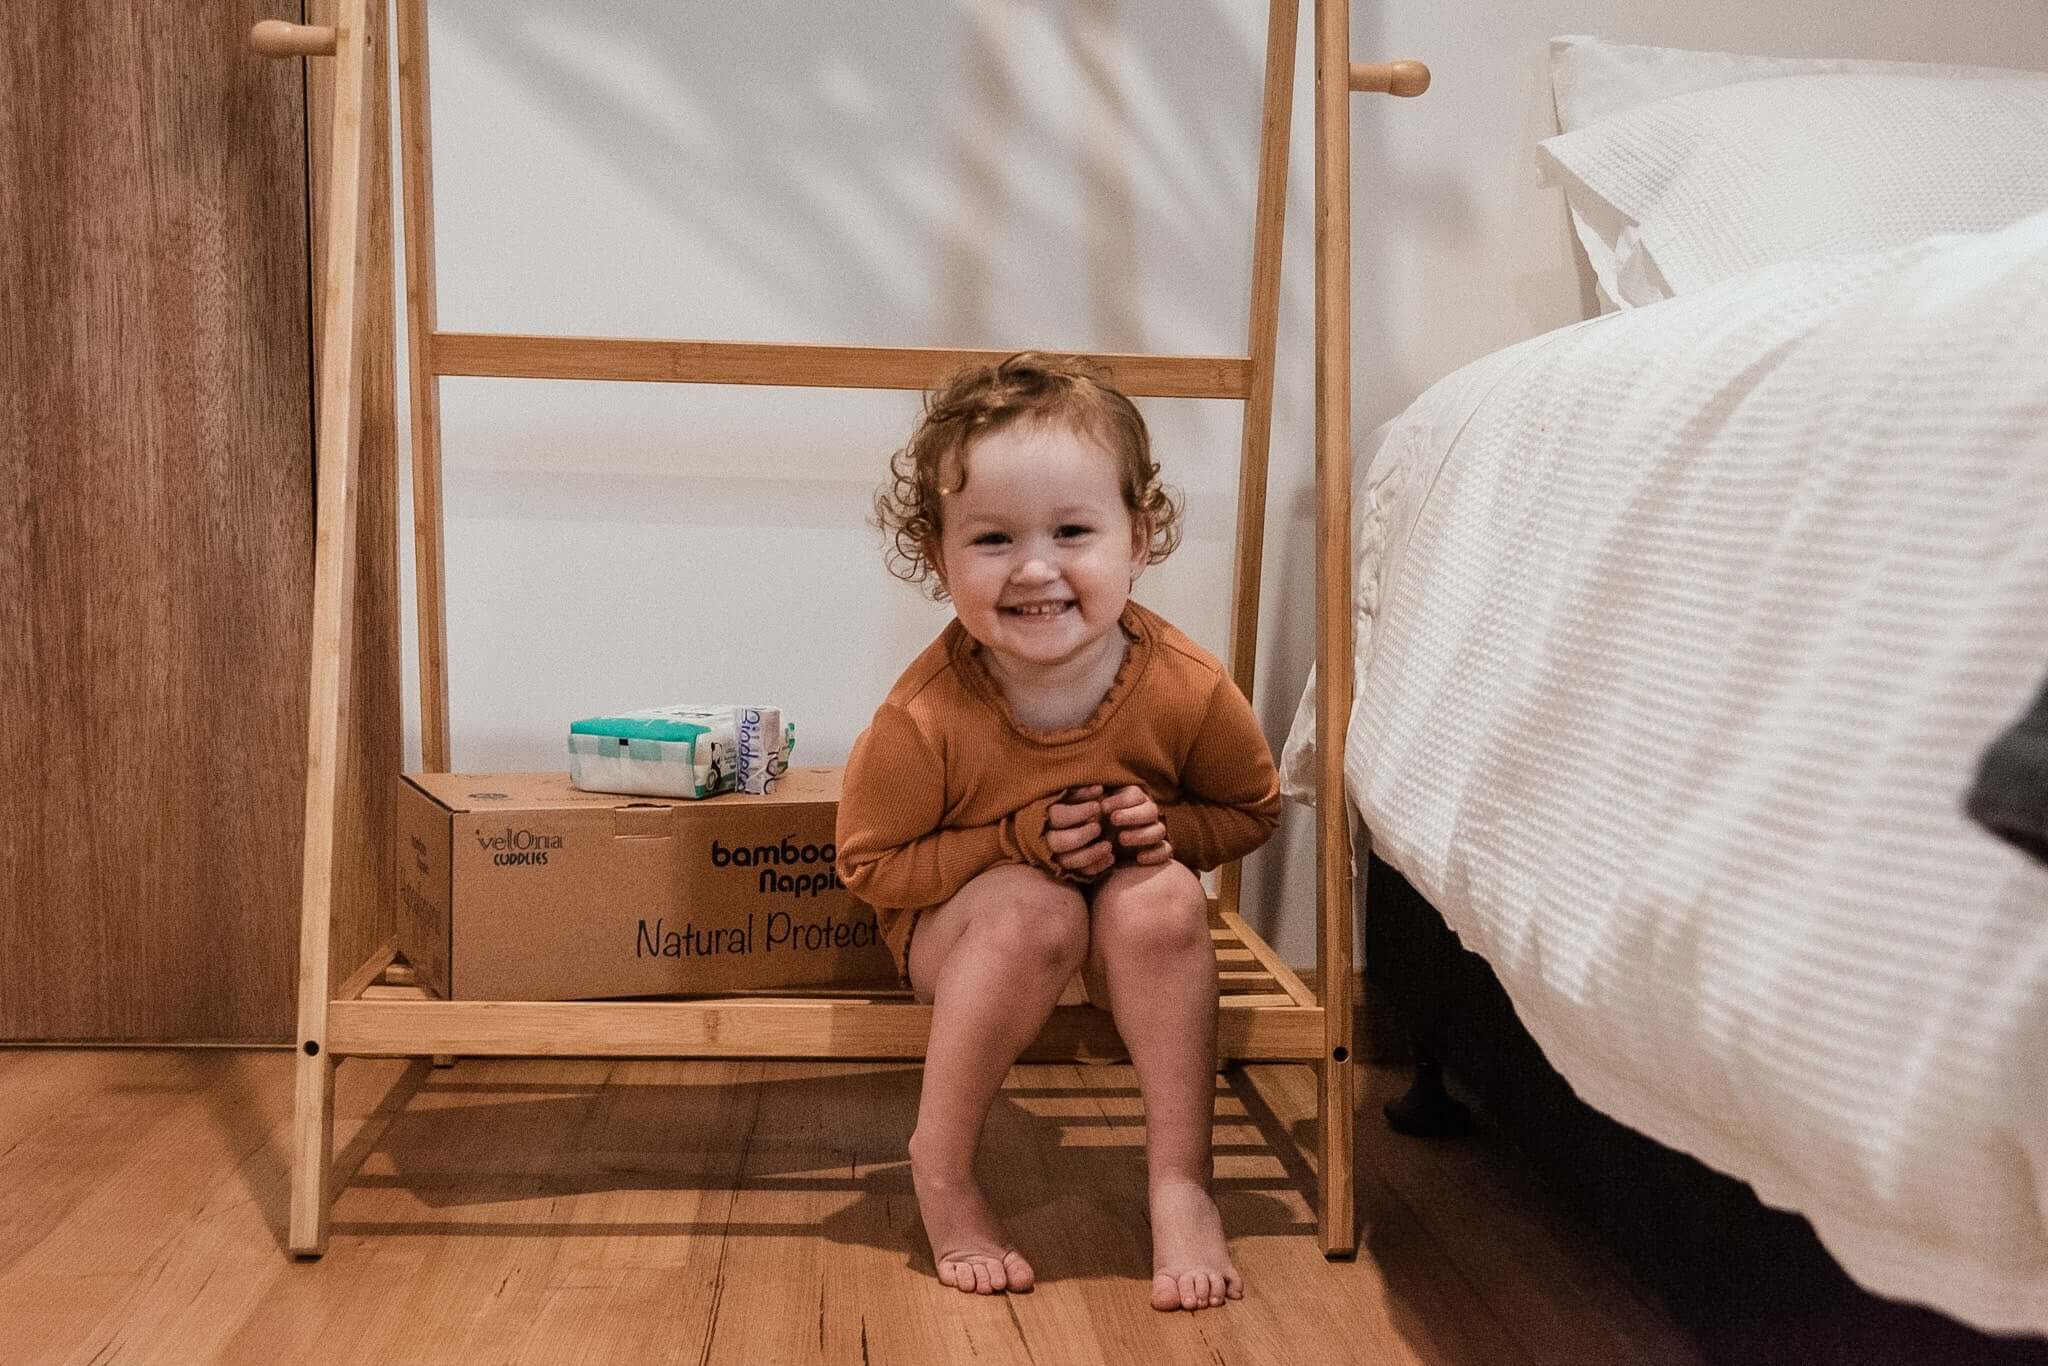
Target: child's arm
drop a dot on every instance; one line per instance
(1230, 791)
(892, 851)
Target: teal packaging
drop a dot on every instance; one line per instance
(681, 751)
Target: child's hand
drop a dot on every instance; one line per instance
(1074, 833)
(1139, 834)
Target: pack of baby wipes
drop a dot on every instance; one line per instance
(681, 751)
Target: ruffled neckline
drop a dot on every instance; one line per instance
(967, 656)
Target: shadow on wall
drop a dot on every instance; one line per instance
(736, 502)
(888, 158)
(1393, 206)
(955, 172)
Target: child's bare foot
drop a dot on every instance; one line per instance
(969, 1247)
(1191, 1267)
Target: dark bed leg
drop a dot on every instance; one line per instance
(1428, 1110)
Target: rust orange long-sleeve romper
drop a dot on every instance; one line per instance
(945, 784)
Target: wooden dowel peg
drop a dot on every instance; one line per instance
(1405, 78)
(278, 38)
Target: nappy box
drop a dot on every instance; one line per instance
(520, 887)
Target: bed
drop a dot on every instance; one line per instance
(1679, 633)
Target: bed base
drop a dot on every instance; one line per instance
(1427, 1109)
(379, 1008)
(1750, 1283)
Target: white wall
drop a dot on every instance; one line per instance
(1073, 174)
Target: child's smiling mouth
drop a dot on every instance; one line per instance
(1036, 609)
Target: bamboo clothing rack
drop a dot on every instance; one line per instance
(1265, 1011)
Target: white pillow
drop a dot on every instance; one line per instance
(1683, 168)
(1593, 79)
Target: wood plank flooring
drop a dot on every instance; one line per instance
(739, 1212)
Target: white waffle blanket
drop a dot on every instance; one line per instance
(1680, 634)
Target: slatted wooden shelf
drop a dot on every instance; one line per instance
(1264, 1014)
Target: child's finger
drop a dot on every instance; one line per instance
(1142, 836)
(1067, 814)
(1124, 798)
(1086, 793)
(1144, 813)
(1066, 839)
(1077, 848)
(1089, 860)
(1161, 852)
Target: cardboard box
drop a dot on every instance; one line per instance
(519, 887)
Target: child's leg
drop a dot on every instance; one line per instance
(992, 962)
(1152, 956)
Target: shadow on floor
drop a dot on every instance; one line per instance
(467, 1151)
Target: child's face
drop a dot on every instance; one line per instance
(1039, 551)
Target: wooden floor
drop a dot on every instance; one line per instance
(557, 1211)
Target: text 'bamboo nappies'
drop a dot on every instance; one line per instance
(681, 751)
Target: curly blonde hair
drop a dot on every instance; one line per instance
(1029, 386)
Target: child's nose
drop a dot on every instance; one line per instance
(1035, 569)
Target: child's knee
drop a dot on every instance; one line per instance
(1041, 923)
(1153, 910)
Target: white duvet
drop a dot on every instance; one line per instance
(1680, 633)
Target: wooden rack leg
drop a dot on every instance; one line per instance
(312, 1155)
(1336, 77)
(1276, 127)
(422, 321)
(332, 634)
(1338, 1215)
(1338, 1126)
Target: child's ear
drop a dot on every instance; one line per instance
(1141, 547)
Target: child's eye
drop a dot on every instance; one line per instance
(990, 538)
(1073, 529)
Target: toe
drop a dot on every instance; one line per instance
(1192, 1292)
(1165, 1292)
(1019, 1271)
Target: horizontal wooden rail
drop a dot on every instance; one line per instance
(507, 356)
(1268, 1030)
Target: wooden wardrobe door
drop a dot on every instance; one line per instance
(156, 484)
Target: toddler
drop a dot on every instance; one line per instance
(1036, 794)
